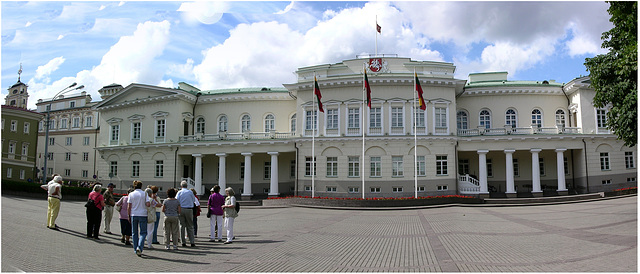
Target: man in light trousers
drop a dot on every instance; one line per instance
(109, 202)
(187, 202)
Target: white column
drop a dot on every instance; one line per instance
(535, 170)
(222, 171)
(198, 173)
(562, 186)
(247, 174)
(510, 180)
(482, 156)
(273, 188)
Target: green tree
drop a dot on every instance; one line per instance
(614, 75)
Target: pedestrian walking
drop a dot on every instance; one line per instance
(230, 213)
(54, 193)
(171, 209)
(215, 213)
(94, 212)
(187, 202)
(109, 203)
(138, 202)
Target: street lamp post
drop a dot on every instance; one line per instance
(46, 130)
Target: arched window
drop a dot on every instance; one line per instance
(462, 120)
(485, 118)
(269, 123)
(536, 118)
(511, 118)
(222, 124)
(293, 123)
(560, 119)
(246, 123)
(200, 125)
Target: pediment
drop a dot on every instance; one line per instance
(137, 93)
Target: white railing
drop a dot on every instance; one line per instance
(397, 130)
(190, 182)
(518, 131)
(136, 141)
(441, 130)
(353, 132)
(547, 130)
(332, 132)
(468, 185)
(495, 131)
(572, 130)
(375, 131)
(522, 131)
(468, 132)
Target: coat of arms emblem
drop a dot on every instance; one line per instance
(375, 64)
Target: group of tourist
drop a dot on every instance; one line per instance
(139, 213)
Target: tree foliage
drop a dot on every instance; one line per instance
(614, 75)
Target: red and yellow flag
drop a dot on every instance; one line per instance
(423, 106)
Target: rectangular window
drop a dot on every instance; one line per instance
(67, 172)
(113, 168)
(242, 170)
(52, 141)
(374, 189)
(542, 171)
(25, 149)
(441, 165)
(631, 180)
(52, 125)
(629, 159)
(267, 171)
(22, 174)
(397, 117)
(397, 167)
(307, 188)
(307, 169)
(354, 166)
(135, 169)
(604, 161)
(375, 118)
(565, 163)
(489, 168)
(422, 166)
(396, 189)
(160, 128)
(86, 140)
(601, 118)
(26, 127)
(14, 125)
(606, 182)
(88, 121)
(419, 120)
(516, 168)
(353, 118)
(441, 117)
(72, 104)
(463, 166)
(85, 156)
(136, 132)
(49, 170)
(353, 189)
(68, 141)
(332, 189)
(332, 166)
(85, 174)
(9, 172)
(50, 157)
(420, 189)
(332, 118)
(292, 169)
(311, 120)
(375, 167)
(67, 156)
(63, 123)
(115, 133)
(159, 168)
(76, 122)
(12, 147)
(443, 188)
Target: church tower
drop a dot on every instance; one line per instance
(18, 95)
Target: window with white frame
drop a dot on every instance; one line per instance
(200, 125)
(14, 125)
(85, 156)
(419, 120)
(485, 118)
(269, 123)
(420, 189)
(397, 166)
(516, 167)
(374, 189)
(115, 134)
(511, 118)
(441, 165)
(332, 166)
(12, 147)
(68, 141)
(113, 168)
(421, 166)
(136, 132)
(396, 189)
(26, 127)
(375, 117)
(52, 124)
(50, 158)
(86, 141)
(332, 189)
(332, 118)
(161, 129)
(629, 159)
(441, 117)
(443, 187)
(135, 169)
(308, 163)
(292, 126)
(536, 118)
(222, 123)
(52, 141)
(353, 189)
(631, 180)
(353, 118)
(604, 161)
(67, 156)
(376, 166)
(601, 118)
(40, 125)
(159, 169)
(75, 122)
(72, 104)
(560, 118)
(9, 172)
(354, 166)
(311, 120)
(63, 123)
(463, 166)
(88, 121)
(267, 171)
(67, 172)
(397, 117)
(85, 174)
(22, 174)
(25, 149)
(462, 120)
(606, 182)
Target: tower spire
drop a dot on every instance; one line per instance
(19, 72)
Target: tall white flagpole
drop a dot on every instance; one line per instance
(313, 139)
(415, 136)
(376, 32)
(362, 127)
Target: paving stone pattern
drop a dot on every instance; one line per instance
(594, 236)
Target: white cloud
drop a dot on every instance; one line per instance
(582, 42)
(205, 12)
(182, 70)
(46, 70)
(102, 7)
(28, 24)
(60, 37)
(286, 9)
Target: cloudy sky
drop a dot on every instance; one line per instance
(215, 45)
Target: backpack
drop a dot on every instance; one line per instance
(237, 207)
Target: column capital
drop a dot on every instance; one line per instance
(509, 151)
(221, 154)
(483, 151)
(535, 150)
(246, 154)
(273, 153)
(197, 155)
(561, 149)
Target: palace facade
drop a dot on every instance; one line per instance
(482, 136)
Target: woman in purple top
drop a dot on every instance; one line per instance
(125, 225)
(215, 208)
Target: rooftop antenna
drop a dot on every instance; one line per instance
(19, 72)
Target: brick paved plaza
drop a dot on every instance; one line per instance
(594, 236)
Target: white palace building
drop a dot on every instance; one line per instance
(482, 136)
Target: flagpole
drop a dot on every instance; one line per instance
(376, 31)
(363, 127)
(313, 140)
(415, 137)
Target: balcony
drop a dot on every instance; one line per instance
(507, 130)
(224, 136)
